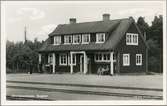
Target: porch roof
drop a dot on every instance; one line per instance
(114, 38)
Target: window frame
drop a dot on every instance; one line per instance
(58, 38)
(132, 38)
(139, 59)
(97, 59)
(66, 38)
(126, 62)
(83, 36)
(60, 57)
(74, 38)
(97, 37)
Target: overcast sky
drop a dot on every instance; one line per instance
(42, 18)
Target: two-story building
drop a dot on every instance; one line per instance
(84, 47)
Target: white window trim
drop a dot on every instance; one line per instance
(83, 38)
(65, 37)
(124, 61)
(102, 60)
(132, 35)
(62, 64)
(69, 59)
(55, 40)
(139, 56)
(74, 39)
(97, 37)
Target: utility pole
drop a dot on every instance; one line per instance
(25, 34)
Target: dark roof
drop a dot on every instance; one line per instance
(117, 29)
(87, 27)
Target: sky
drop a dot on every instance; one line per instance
(41, 18)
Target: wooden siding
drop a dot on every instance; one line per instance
(122, 48)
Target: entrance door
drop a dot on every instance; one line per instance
(81, 63)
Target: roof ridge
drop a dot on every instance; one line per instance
(95, 21)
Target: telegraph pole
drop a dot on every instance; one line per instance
(25, 34)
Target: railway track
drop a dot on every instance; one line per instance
(86, 92)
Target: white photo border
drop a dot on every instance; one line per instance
(104, 102)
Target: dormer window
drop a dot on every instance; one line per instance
(67, 39)
(57, 40)
(131, 39)
(76, 39)
(100, 37)
(85, 38)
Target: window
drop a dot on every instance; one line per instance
(100, 37)
(76, 39)
(63, 59)
(126, 59)
(50, 59)
(73, 60)
(102, 57)
(57, 40)
(67, 39)
(85, 38)
(131, 39)
(138, 59)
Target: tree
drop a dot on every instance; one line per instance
(154, 41)
(22, 57)
(156, 34)
(143, 26)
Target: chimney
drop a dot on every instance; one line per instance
(106, 17)
(73, 20)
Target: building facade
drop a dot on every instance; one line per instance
(114, 45)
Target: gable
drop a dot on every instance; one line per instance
(141, 42)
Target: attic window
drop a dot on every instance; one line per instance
(57, 40)
(85, 38)
(67, 39)
(131, 39)
(76, 39)
(100, 37)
